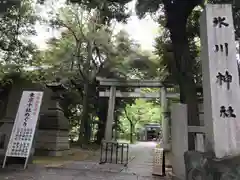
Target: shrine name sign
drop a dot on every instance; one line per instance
(24, 127)
(220, 81)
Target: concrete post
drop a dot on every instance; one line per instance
(165, 120)
(179, 138)
(110, 116)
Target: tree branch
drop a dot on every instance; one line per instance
(69, 29)
(80, 71)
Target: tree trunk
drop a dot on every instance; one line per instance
(131, 132)
(84, 130)
(82, 138)
(188, 89)
(102, 115)
(101, 131)
(87, 128)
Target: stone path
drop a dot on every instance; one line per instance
(138, 169)
(142, 163)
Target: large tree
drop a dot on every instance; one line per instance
(109, 10)
(177, 13)
(85, 50)
(16, 25)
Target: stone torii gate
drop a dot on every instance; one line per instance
(112, 94)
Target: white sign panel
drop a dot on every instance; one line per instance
(158, 161)
(23, 131)
(199, 142)
(220, 81)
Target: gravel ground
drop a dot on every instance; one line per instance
(138, 169)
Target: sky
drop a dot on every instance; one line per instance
(142, 31)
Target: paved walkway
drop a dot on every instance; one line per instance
(138, 169)
(142, 163)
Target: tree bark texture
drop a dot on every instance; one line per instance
(84, 119)
(84, 127)
(102, 114)
(131, 131)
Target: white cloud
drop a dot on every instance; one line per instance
(142, 31)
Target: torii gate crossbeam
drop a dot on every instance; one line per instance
(112, 94)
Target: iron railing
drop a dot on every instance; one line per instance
(114, 152)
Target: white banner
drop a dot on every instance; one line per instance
(24, 127)
(220, 81)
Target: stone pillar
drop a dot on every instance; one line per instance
(222, 131)
(179, 138)
(165, 120)
(110, 116)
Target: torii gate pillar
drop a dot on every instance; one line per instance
(110, 115)
(165, 120)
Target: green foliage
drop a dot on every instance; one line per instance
(164, 47)
(87, 48)
(181, 65)
(109, 10)
(16, 51)
(84, 48)
(138, 114)
(5, 6)
(133, 63)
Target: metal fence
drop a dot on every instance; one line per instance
(114, 152)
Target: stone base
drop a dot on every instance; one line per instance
(166, 147)
(6, 130)
(57, 153)
(52, 143)
(204, 166)
(52, 120)
(168, 159)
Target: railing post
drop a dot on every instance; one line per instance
(122, 154)
(127, 154)
(111, 152)
(101, 152)
(106, 152)
(116, 153)
(105, 145)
